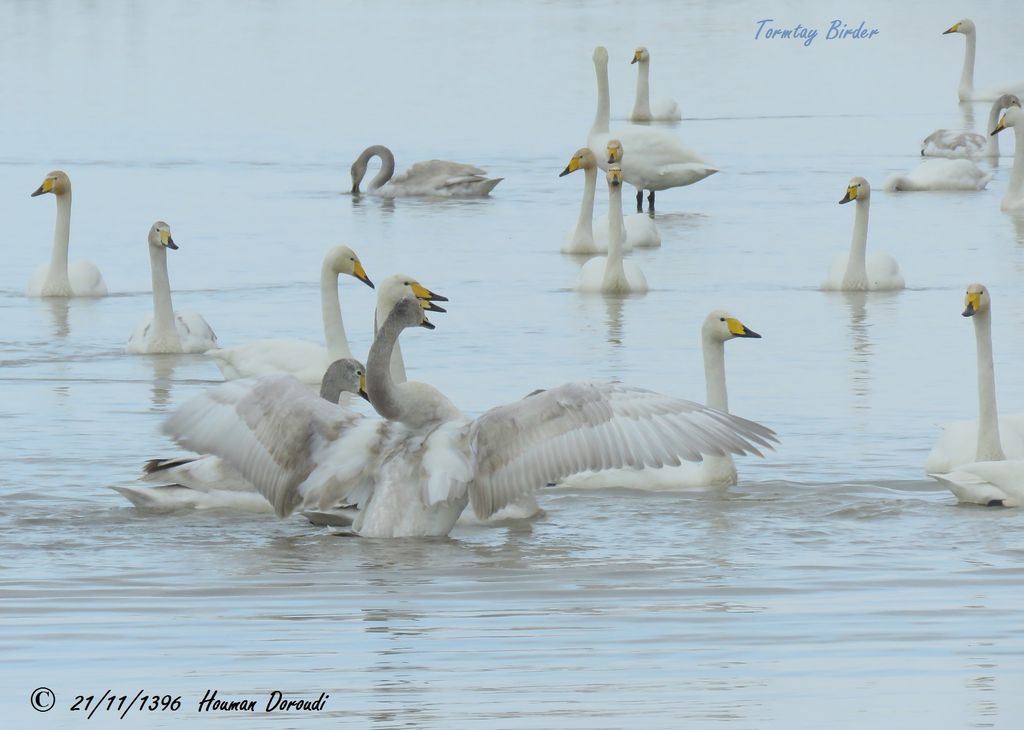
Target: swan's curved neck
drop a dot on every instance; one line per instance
(163, 310)
(856, 276)
(1015, 189)
(585, 225)
(602, 118)
(57, 276)
(387, 167)
(397, 361)
(989, 443)
(330, 307)
(966, 89)
(642, 105)
(380, 386)
(992, 140)
(614, 272)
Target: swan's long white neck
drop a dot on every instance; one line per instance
(966, 89)
(585, 225)
(603, 116)
(642, 105)
(330, 306)
(57, 276)
(989, 443)
(163, 311)
(856, 276)
(614, 272)
(1015, 189)
(717, 469)
(397, 361)
(380, 386)
(387, 166)
(992, 140)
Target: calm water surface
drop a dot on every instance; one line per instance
(834, 586)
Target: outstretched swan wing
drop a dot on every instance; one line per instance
(274, 430)
(593, 426)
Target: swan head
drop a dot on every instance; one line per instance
(720, 326)
(408, 312)
(399, 286)
(976, 300)
(1012, 117)
(614, 176)
(965, 26)
(347, 375)
(614, 151)
(56, 182)
(601, 55)
(640, 55)
(857, 189)
(343, 260)
(160, 236)
(582, 159)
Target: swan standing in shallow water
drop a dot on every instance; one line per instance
(644, 110)
(984, 477)
(167, 331)
(208, 482)
(940, 174)
(58, 278)
(415, 473)
(960, 143)
(610, 274)
(656, 159)
(855, 270)
(990, 437)
(305, 360)
(438, 178)
(1014, 197)
(715, 471)
(966, 89)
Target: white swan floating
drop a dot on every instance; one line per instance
(432, 178)
(940, 174)
(209, 482)
(966, 90)
(715, 471)
(611, 274)
(413, 474)
(59, 278)
(655, 159)
(167, 331)
(856, 270)
(305, 360)
(955, 143)
(1014, 197)
(645, 110)
(990, 437)
(987, 478)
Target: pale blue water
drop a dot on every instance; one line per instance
(834, 586)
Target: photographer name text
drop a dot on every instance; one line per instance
(837, 31)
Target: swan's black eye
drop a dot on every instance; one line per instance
(721, 319)
(408, 283)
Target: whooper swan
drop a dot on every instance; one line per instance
(940, 174)
(966, 89)
(855, 270)
(611, 274)
(588, 237)
(644, 110)
(437, 178)
(1014, 197)
(960, 143)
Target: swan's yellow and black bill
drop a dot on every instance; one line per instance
(851, 194)
(973, 301)
(429, 306)
(426, 323)
(738, 329)
(166, 241)
(573, 166)
(425, 294)
(999, 127)
(636, 58)
(955, 27)
(46, 187)
(362, 387)
(614, 176)
(360, 273)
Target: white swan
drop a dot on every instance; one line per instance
(641, 230)
(656, 159)
(438, 178)
(1014, 197)
(644, 110)
(990, 437)
(167, 331)
(610, 274)
(58, 278)
(586, 238)
(940, 174)
(966, 89)
(715, 471)
(990, 483)
(305, 360)
(209, 482)
(416, 472)
(962, 143)
(855, 270)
